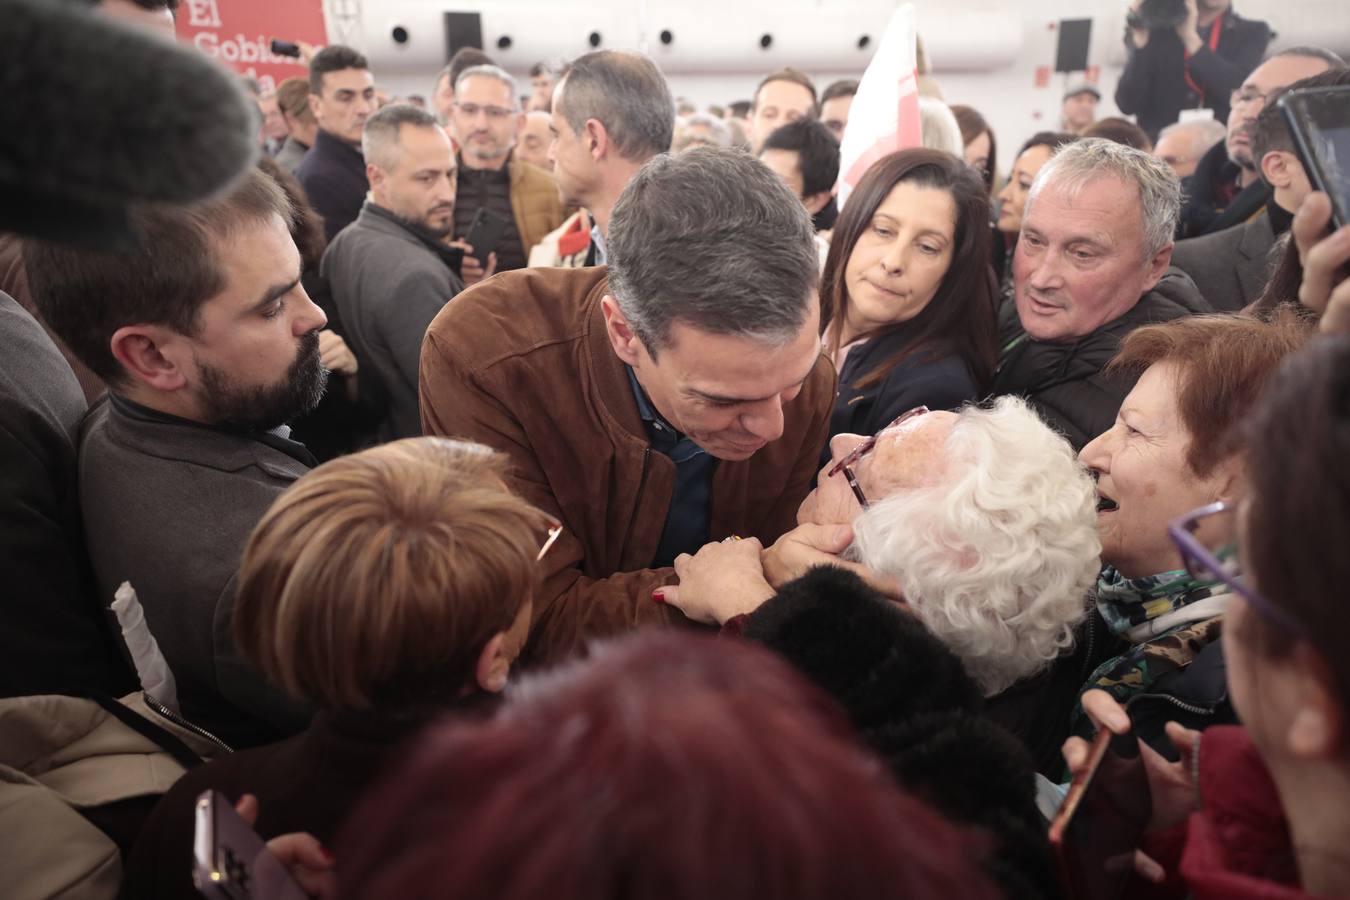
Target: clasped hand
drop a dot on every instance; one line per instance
(735, 577)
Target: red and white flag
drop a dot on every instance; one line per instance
(884, 117)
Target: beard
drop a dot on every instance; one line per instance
(230, 404)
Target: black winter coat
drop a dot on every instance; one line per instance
(1063, 380)
(1154, 87)
(914, 704)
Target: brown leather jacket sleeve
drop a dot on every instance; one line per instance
(570, 606)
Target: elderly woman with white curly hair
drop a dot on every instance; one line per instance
(981, 524)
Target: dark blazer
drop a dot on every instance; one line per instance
(1204, 211)
(920, 379)
(333, 174)
(915, 706)
(1064, 381)
(1154, 87)
(1230, 267)
(55, 633)
(168, 505)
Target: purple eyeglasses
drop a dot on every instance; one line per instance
(1203, 563)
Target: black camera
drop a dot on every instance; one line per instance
(1158, 15)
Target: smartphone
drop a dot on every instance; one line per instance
(229, 859)
(485, 232)
(1319, 120)
(1102, 820)
(285, 48)
(454, 258)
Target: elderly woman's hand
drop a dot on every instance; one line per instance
(1324, 289)
(810, 545)
(719, 582)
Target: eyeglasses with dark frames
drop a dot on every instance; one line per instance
(846, 464)
(1203, 563)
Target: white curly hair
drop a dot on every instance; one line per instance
(998, 558)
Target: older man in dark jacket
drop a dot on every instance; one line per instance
(391, 271)
(205, 360)
(1091, 265)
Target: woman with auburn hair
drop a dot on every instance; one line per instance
(907, 296)
(1263, 810)
(385, 588)
(1177, 444)
(664, 767)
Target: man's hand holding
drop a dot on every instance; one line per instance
(718, 583)
(1189, 31)
(472, 269)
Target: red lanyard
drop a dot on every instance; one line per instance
(1214, 28)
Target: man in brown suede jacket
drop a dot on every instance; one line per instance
(677, 397)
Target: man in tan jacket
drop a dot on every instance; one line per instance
(485, 120)
(677, 397)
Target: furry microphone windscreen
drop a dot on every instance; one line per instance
(99, 115)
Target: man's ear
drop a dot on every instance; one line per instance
(816, 202)
(1157, 266)
(147, 353)
(493, 667)
(621, 335)
(597, 139)
(1275, 168)
(374, 175)
(315, 104)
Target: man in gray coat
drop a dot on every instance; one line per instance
(208, 345)
(391, 270)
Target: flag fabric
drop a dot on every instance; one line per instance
(884, 117)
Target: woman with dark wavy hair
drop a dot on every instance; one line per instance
(907, 293)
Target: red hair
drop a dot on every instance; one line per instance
(665, 767)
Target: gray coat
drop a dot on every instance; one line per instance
(168, 506)
(1231, 267)
(388, 283)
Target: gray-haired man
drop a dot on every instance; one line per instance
(391, 270)
(611, 113)
(1091, 265)
(677, 397)
(485, 119)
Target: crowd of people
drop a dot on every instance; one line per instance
(691, 535)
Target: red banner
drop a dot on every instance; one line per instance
(239, 33)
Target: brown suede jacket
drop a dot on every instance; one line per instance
(522, 363)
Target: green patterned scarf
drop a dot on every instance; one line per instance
(1127, 603)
